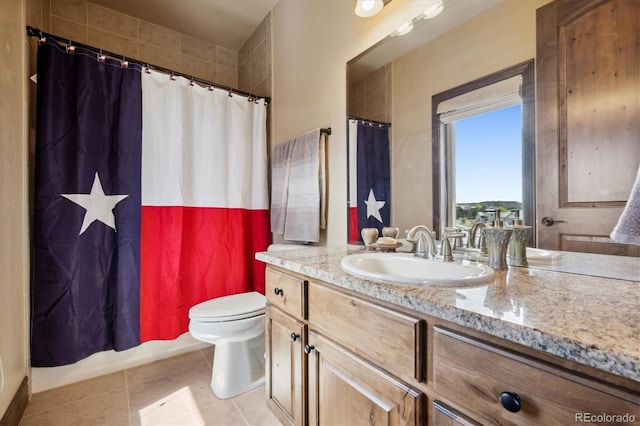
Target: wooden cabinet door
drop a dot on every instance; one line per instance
(285, 367)
(446, 416)
(588, 130)
(346, 390)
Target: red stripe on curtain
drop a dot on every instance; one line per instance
(192, 254)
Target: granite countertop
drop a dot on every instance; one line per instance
(588, 319)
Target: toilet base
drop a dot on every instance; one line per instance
(238, 366)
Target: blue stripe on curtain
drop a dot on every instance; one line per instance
(85, 286)
(374, 177)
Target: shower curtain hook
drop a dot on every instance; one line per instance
(70, 48)
(172, 77)
(210, 87)
(100, 57)
(191, 83)
(146, 69)
(124, 63)
(230, 94)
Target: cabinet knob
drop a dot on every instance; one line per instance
(510, 401)
(308, 349)
(278, 291)
(294, 337)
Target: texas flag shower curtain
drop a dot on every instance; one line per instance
(150, 197)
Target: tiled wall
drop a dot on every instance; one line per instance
(370, 97)
(254, 61)
(116, 32)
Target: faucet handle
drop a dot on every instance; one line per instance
(445, 250)
(422, 248)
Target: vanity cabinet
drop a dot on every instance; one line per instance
(335, 357)
(286, 335)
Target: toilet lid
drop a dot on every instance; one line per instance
(236, 306)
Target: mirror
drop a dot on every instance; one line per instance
(374, 86)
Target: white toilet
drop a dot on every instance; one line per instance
(235, 325)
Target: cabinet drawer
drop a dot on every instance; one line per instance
(392, 340)
(472, 375)
(287, 292)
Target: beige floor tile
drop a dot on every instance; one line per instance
(253, 406)
(159, 368)
(222, 414)
(208, 354)
(170, 392)
(193, 385)
(109, 408)
(52, 398)
(179, 407)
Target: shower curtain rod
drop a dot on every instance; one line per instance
(326, 130)
(364, 120)
(35, 32)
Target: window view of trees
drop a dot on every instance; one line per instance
(488, 166)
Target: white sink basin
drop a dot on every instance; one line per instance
(408, 269)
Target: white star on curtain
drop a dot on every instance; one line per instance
(374, 206)
(97, 205)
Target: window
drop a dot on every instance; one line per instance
(483, 148)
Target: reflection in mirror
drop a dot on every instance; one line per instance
(483, 151)
(370, 82)
(369, 177)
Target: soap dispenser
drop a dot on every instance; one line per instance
(497, 238)
(518, 242)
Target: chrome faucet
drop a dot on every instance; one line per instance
(471, 241)
(415, 234)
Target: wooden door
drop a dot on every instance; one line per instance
(588, 129)
(286, 367)
(346, 390)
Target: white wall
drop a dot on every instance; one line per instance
(312, 42)
(13, 200)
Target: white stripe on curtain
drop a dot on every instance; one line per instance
(216, 144)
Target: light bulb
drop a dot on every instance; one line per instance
(367, 8)
(368, 4)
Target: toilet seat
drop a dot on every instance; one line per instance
(229, 308)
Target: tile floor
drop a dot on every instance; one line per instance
(174, 391)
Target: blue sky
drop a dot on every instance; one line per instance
(489, 156)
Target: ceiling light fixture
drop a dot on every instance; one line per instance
(433, 10)
(367, 8)
(405, 29)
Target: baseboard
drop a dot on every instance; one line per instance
(18, 404)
